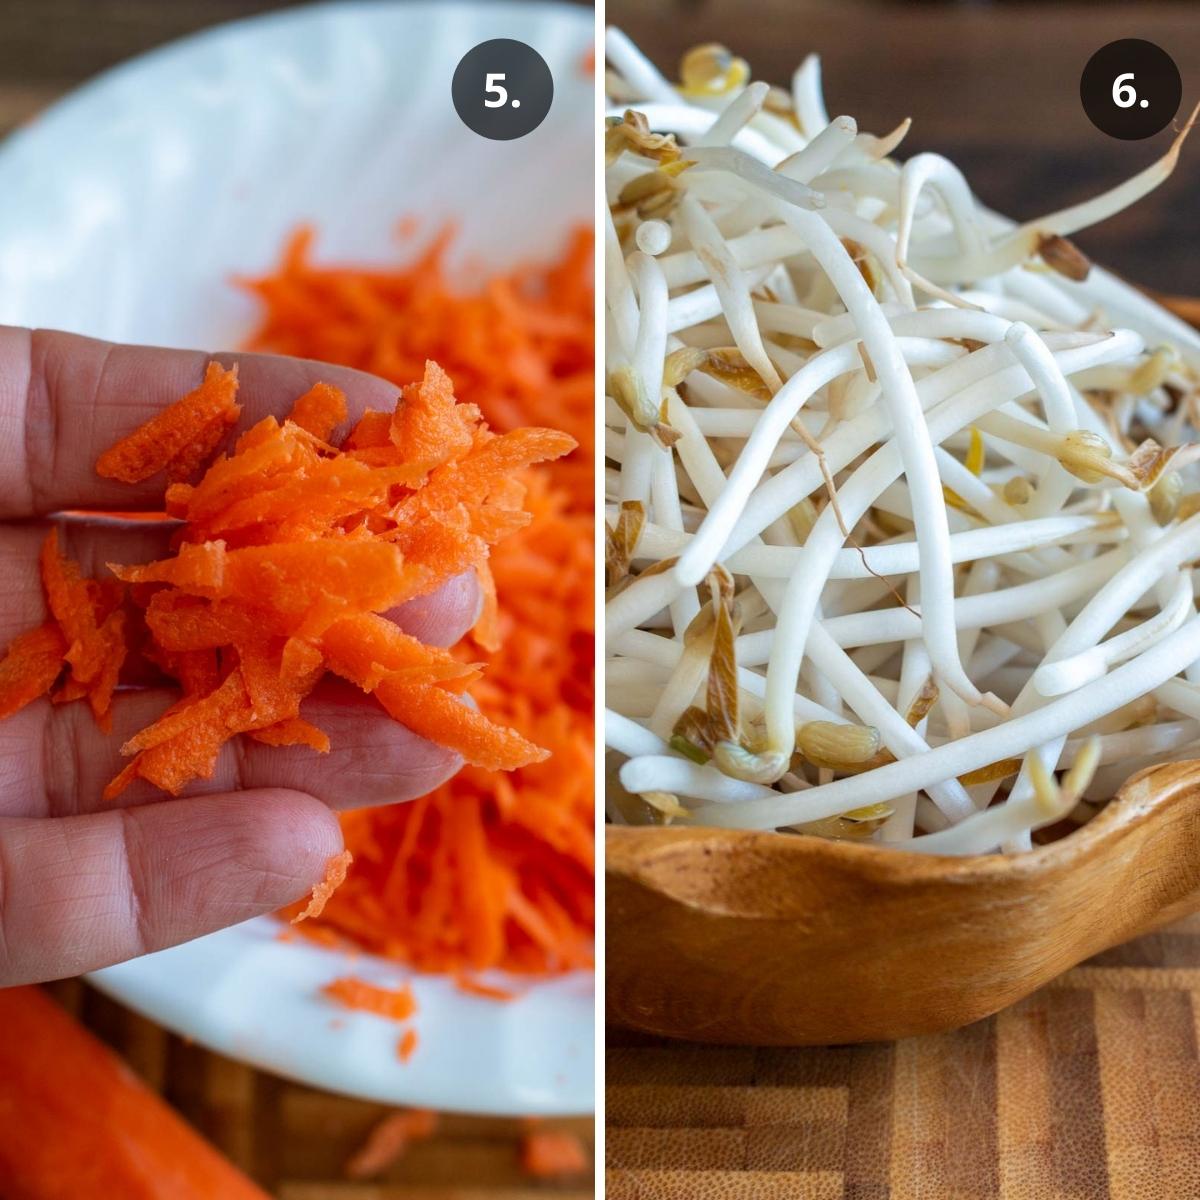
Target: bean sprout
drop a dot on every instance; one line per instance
(931, 469)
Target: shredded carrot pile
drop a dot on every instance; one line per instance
(335, 876)
(552, 1154)
(290, 549)
(520, 346)
(397, 1004)
(388, 1141)
(489, 870)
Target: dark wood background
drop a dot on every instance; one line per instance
(294, 1140)
(993, 87)
(49, 46)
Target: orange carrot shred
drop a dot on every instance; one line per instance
(119, 782)
(367, 648)
(486, 631)
(193, 456)
(388, 1140)
(396, 1004)
(153, 446)
(301, 585)
(191, 754)
(320, 410)
(429, 427)
(552, 1154)
(373, 432)
(197, 569)
(335, 876)
(407, 1045)
(293, 731)
(273, 696)
(113, 648)
(33, 662)
(475, 987)
(215, 711)
(70, 600)
(439, 716)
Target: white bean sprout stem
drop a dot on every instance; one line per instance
(903, 499)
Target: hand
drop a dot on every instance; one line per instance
(82, 883)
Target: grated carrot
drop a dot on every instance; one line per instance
(29, 668)
(490, 870)
(335, 876)
(389, 1139)
(313, 546)
(552, 1154)
(475, 987)
(180, 438)
(92, 625)
(406, 1047)
(293, 731)
(441, 717)
(320, 410)
(397, 1004)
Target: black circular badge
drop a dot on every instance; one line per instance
(502, 89)
(1130, 89)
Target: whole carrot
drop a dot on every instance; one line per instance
(75, 1121)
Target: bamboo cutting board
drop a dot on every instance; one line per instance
(1087, 1090)
(295, 1140)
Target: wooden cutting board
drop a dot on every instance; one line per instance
(1087, 1090)
(295, 1140)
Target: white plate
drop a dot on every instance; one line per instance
(124, 211)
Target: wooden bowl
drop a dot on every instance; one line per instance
(764, 939)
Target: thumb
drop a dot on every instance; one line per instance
(79, 893)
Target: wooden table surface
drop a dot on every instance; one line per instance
(294, 1140)
(1087, 1090)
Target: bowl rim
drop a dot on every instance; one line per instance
(632, 852)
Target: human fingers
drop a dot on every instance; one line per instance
(84, 892)
(55, 761)
(65, 399)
